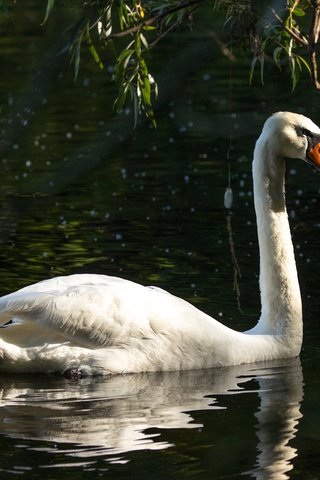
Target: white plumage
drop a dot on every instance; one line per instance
(95, 324)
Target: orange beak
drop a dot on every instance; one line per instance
(314, 155)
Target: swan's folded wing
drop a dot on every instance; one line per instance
(68, 316)
(93, 316)
(99, 311)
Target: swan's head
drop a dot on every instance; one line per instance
(294, 136)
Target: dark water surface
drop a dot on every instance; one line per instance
(82, 192)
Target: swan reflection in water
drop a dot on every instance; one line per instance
(110, 417)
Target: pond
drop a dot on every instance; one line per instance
(82, 191)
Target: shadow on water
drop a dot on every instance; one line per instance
(119, 419)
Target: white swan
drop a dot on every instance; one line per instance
(92, 324)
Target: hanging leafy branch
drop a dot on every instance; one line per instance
(290, 35)
(129, 29)
(285, 32)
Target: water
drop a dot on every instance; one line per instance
(179, 421)
(82, 192)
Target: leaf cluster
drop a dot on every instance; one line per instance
(128, 29)
(285, 39)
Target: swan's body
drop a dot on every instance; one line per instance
(101, 324)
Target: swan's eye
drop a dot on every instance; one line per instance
(306, 132)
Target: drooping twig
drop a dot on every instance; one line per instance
(152, 20)
(225, 50)
(302, 40)
(313, 40)
(235, 265)
(310, 43)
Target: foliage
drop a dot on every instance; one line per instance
(129, 29)
(284, 32)
(283, 35)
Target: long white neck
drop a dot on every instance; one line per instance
(281, 312)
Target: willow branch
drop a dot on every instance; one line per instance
(155, 19)
(311, 43)
(303, 41)
(314, 38)
(164, 34)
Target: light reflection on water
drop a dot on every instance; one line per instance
(81, 424)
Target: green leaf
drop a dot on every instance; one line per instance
(299, 12)
(276, 56)
(295, 72)
(76, 53)
(50, 4)
(76, 57)
(122, 63)
(92, 49)
(304, 63)
(127, 51)
(145, 91)
(136, 108)
(262, 68)
(108, 15)
(122, 96)
(144, 41)
(137, 45)
(252, 67)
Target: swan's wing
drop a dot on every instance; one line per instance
(28, 334)
(90, 310)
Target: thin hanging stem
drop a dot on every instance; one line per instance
(314, 38)
(235, 265)
(228, 201)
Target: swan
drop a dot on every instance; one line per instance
(87, 324)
